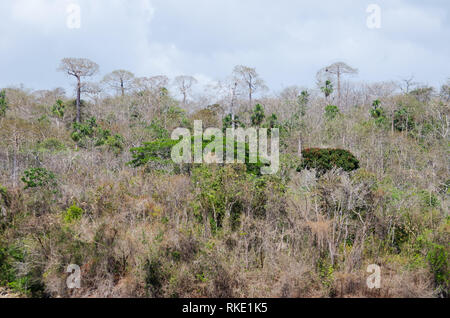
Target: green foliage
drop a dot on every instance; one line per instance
(272, 122)
(302, 102)
(24, 283)
(51, 144)
(326, 272)
(4, 196)
(326, 159)
(327, 89)
(160, 152)
(3, 103)
(439, 262)
(83, 130)
(228, 122)
(39, 177)
(74, 213)
(258, 115)
(91, 131)
(331, 111)
(403, 120)
(58, 108)
(158, 130)
(377, 113)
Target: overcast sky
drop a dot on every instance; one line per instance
(286, 40)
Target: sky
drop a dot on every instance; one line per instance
(287, 41)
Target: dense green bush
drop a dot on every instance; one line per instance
(90, 131)
(326, 159)
(58, 108)
(3, 103)
(258, 115)
(73, 213)
(403, 120)
(160, 151)
(377, 113)
(439, 262)
(38, 177)
(331, 111)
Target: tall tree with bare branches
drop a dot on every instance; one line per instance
(78, 68)
(336, 70)
(184, 84)
(250, 79)
(119, 80)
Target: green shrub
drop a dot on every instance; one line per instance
(438, 259)
(38, 177)
(27, 283)
(74, 213)
(58, 108)
(228, 122)
(331, 111)
(91, 131)
(4, 196)
(83, 130)
(160, 151)
(377, 113)
(3, 103)
(51, 144)
(258, 115)
(326, 159)
(403, 120)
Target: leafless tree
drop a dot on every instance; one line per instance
(336, 70)
(79, 68)
(407, 84)
(151, 83)
(248, 78)
(184, 84)
(120, 80)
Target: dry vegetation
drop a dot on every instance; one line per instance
(220, 231)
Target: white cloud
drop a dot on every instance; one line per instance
(286, 40)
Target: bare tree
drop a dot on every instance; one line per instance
(336, 70)
(407, 84)
(120, 80)
(248, 77)
(184, 84)
(154, 83)
(78, 67)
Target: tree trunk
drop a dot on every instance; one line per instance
(78, 119)
(300, 147)
(250, 95)
(122, 89)
(339, 87)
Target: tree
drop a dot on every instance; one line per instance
(327, 89)
(407, 84)
(120, 80)
(3, 103)
(78, 68)
(247, 77)
(258, 115)
(152, 84)
(445, 91)
(184, 84)
(338, 70)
